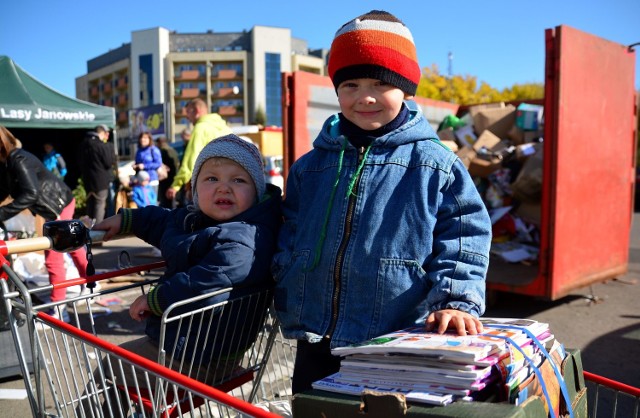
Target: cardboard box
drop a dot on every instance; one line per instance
(529, 116)
(516, 135)
(486, 140)
(475, 109)
(482, 168)
(466, 154)
(487, 144)
(466, 136)
(497, 120)
(527, 187)
(530, 213)
(446, 135)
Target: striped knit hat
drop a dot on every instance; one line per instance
(375, 45)
(236, 149)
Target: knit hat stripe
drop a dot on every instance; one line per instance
(377, 25)
(373, 38)
(374, 50)
(376, 72)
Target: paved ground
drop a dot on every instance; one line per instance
(607, 330)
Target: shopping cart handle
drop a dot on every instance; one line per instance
(54, 238)
(96, 236)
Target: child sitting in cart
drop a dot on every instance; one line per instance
(225, 238)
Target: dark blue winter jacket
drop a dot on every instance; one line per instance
(204, 255)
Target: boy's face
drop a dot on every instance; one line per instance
(370, 103)
(225, 189)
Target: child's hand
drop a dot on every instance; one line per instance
(463, 322)
(111, 225)
(139, 309)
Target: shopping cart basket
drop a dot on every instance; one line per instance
(610, 399)
(70, 378)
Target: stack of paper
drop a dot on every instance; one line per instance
(438, 369)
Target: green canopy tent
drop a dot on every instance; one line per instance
(35, 113)
(25, 102)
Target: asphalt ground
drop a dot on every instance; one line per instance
(602, 320)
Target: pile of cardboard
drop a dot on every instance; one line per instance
(501, 146)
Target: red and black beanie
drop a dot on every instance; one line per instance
(375, 45)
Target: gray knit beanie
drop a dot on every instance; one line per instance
(236, 149)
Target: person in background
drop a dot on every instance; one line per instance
(98, 159)
(384, 227)
(206, 127)
(142, 193)
(32, 186)
(148, 158)
(171, 159)
(54, 161)
(226, 238)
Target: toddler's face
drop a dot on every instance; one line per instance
(224, 188)
(370, 103)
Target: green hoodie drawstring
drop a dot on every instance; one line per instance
(352, 182)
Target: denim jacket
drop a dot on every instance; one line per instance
(411, 237)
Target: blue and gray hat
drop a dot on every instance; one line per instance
(236, 149)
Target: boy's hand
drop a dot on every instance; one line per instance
(464, 323)
(139, 309)
(111, 225)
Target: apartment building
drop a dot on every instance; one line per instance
(238, 74)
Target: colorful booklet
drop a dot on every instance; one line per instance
(417, 394)
(416, 340)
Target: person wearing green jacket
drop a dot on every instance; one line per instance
(207, 127)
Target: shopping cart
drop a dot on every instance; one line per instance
(78, 373)
(609, 399)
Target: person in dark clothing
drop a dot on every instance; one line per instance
(98, 159)
(32, 186)
(171, 159)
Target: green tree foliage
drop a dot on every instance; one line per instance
(467, 90)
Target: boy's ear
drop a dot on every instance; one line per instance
(408, 96)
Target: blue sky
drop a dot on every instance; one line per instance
(500, 42)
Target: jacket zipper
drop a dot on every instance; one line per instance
(341, 250)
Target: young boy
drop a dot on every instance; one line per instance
(384, 227)
(142, 193)
(226, 238)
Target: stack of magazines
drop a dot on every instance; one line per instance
(438, 369)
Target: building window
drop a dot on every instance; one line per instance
(273, 89)
(146, 79)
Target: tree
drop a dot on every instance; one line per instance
(465, 89)
(260, 118)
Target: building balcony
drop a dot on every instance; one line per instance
(108, 103)
(123, 116)
(227, 110)
(223, 92)
(226, 74)
(190, 93)
(107, 88)
(189, 75)
(93, 91)
(122, 101)
(121, 83)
